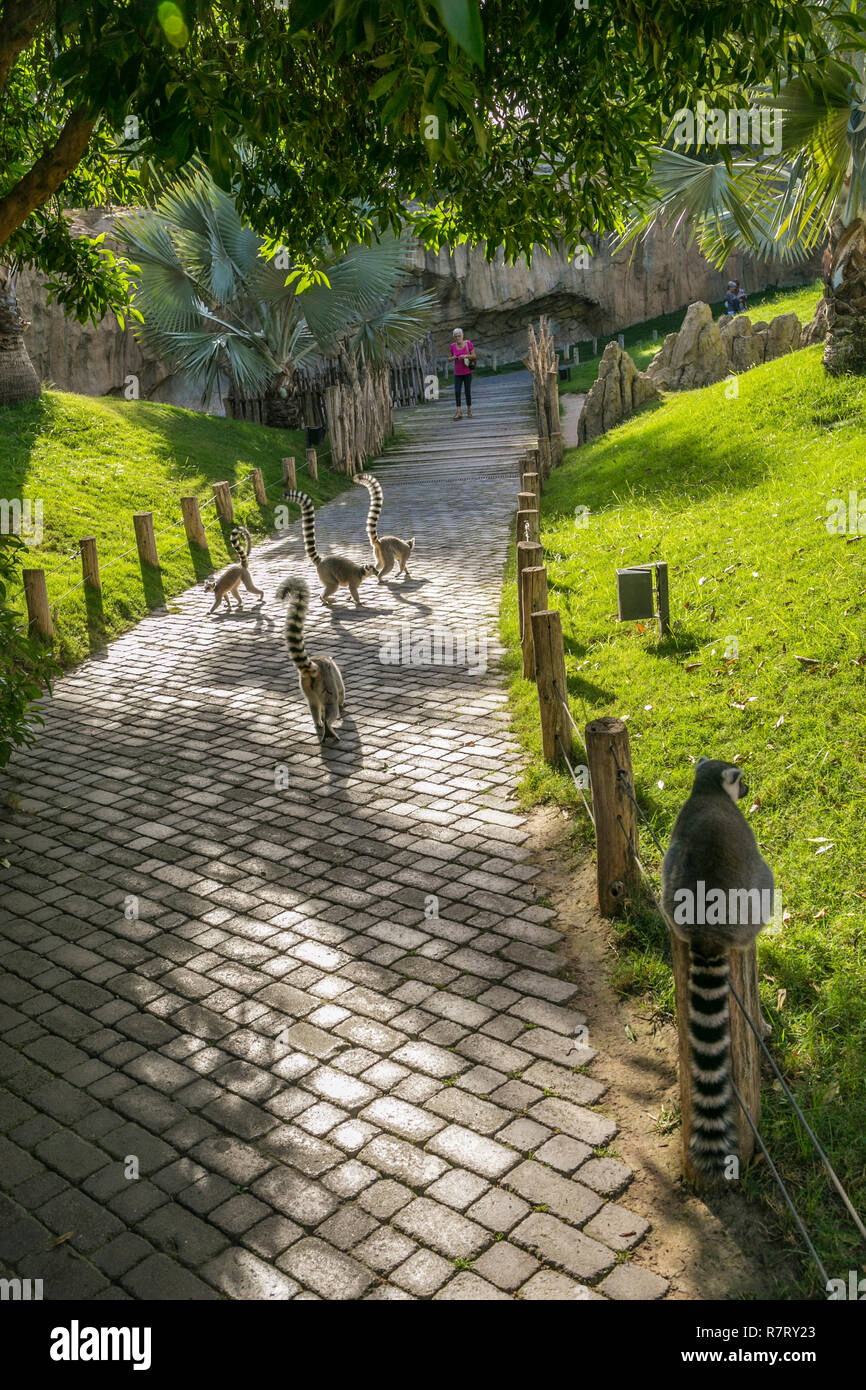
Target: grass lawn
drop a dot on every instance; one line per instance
(94, 461)
(639, 340)
(734, 495)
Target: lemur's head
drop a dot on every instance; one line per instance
(713, 775)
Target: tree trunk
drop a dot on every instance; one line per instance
(18, 379)
(844, 304)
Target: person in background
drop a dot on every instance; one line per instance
(463, 353)
(732, 299)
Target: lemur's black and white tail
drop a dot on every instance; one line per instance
(308, 523)
(377, 501)
(241, 543)
(298, 594)
(712, 1138)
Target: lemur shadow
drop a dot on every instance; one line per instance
(342, 759)
(262, 620)
(353, 614)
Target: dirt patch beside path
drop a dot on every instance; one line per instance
(723, 1247)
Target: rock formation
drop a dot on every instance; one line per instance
(704, 352)
(618, 391)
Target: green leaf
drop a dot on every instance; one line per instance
(462, 19)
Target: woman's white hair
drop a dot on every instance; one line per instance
(456, 331)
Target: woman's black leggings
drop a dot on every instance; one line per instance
(459, 383)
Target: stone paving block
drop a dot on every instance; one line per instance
(239, 1214)
(402, 1161)
(347, 1227)
(367, 1033)
(93, 1225)
(616, 1227)
(161, 1278)
(272, 1236)
(474, 1151)
(606, 1175)
(348, 1179)
(516, 1095)
(387, 1293)
(565, 1155)
(488, 1052)
(384, 1250)
(524, 1135)
(631, 1282)
(548, 1285)
(570, 1085)
(467, 1287)
(530, 982)
(297, 1197)
(499, 1211)
(546, 1015)
(181, 1235)
(540, 1186)
(556, 1048)
(557, 1244)
(432, 1224)
(325, 1270)
(342, 1090)
(311, 1156)
(574, 1120)
(468, 1110)
(481, 1081)
(233, 1159)
(458, 1188)
(505, 1265)
(242, 1275)
(434, 1061)
(402, 1119)
(423, 1273)
(384, 1198)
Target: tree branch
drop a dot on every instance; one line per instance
(18, 25)
(48, 173)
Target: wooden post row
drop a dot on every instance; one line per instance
(529, 555)
(607, 750)
(193, 525)
(530, 482)
(290, 480)
(259, 487)
(550, 679)
(533, 599)
(145, 539)
(36, 596)
(312, 464)
(90, 563)
(224, 504)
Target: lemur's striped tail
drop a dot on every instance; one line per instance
(713, 1134)
(377, 501)
(298, 594)
(241, 543)
(308, 523)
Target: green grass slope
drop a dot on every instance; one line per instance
(95, 461)
(734, 495)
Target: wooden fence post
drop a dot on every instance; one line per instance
(530, 482)
(224, 505)
(312, 464)
(145, 539)
(290, 480)
(259, 487)
(90, 563)
(745, 1054)
(607, 751)
(554, 425)
(533, 599)
(36, 596)
(529, 555)
(193, 525)
(550, 678)
(527, 518)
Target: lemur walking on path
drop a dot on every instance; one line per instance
(389, 550)
(318, 676)
(334, 570)
(230, 580)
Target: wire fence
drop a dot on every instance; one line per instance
(624, 782)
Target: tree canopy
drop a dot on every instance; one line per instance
(506, 121)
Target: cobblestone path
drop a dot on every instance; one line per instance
(283, 1023)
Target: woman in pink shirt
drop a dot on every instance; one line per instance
(462, 351)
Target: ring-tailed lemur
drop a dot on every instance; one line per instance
(717, 893)
(334, 570)
(318, 677)
(230, 580)
(387, 549)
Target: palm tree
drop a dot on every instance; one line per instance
(785, 203)
(18, 379)
(217, 308)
